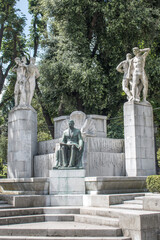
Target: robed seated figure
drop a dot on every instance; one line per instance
(71, 148)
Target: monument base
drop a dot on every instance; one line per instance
(22, 142)
(67, 181)
(139, 139)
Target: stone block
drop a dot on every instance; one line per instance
(46, 147)
(152, 203)
(140, 226)
(43, 164)
(22, 142)
(105, 164)
(107, 185)
(31, 201)
(67, 181)
(66, 200)
(35, 185)
(139, 139)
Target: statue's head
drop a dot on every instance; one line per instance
(17, 60)
(24, 60)
(136, 50)
(71, 124)
(32, 60)
(128, 56)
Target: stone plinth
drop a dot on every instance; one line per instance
(139, 139)
(110, 185)
(67, 181)
(22, 142)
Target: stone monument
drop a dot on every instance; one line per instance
(138, 116)
(22, 122)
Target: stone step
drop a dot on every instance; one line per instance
(104, 212)
(128, 206)
(61, 229)
(139, 202)
(114, 222)
(62, 238)
(139, 198)
(20, 212)
(38, 210)
(5, 206)
(3, 202)
(60, 210)
(36, 218)
(22, 219)
(110, 212)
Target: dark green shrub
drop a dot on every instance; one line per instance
(153, 183)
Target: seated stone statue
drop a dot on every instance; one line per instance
(71, 148)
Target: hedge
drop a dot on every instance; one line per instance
(153, 183)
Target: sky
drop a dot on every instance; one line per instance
(23, 6)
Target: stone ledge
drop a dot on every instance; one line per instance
(107, 185)
(37, 179)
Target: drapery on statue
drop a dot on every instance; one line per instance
(71, 148)
(134, 73)
(25, 84)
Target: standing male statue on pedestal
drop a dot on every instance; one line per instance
(71, 148)
(138, 117)
(134, 73)
(22, 122)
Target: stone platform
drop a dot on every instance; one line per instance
(70, 181)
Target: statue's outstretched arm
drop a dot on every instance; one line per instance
(14, 69)
(145, 51)
(119, 68)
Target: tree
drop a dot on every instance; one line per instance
(11, 37)
(38, 31)
(87, 41)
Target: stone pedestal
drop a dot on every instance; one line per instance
(67, 181)
(22, 142)
(139, 139)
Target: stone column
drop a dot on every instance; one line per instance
(22, 142)
(139, 139)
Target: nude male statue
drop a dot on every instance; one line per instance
(32, 75)
(123, 68)
(139, 75)
(19, 90)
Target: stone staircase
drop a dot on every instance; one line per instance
(135, 204)
(58, 223)
(4, 204)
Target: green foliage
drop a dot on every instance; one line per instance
(158, 157)
(153, 183)
(3, 147)
(87, 40)
(43, 131)
(12, 39)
